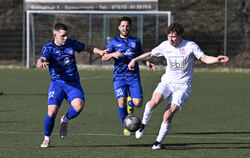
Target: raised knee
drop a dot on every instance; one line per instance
(137, 103)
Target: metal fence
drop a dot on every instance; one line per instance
(204, 22)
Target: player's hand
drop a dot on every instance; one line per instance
(150, 65)
(131, 65)
(117, 54)
(41, 63)
(102, 52)
(223, 59)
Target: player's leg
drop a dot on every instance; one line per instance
(136, 96)
(49, 122)
(165, 125)
(75, 97)
(55, 98)
(120, 89)
(176, 100)
(122, 111)
(156, 99)
(161, 92)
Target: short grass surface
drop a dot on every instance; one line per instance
(214, 121)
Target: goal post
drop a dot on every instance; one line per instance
(92, 27)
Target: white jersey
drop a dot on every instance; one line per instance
(180, 60)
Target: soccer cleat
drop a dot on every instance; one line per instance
(140, 131)
(63, 128)
(45, 144)
(130, 109)
(157, 146)
(126, 132)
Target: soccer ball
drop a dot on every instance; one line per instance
(132, 123)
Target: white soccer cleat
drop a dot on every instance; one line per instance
(63, 128)
(157, 146)
(140, 131)
(45, 144)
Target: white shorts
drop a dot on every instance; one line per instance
(177, 93)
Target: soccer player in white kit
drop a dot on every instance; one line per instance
(176, 82)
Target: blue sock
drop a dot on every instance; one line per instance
(48, 125)
(122, 113)
(131, 103)
(72, 113)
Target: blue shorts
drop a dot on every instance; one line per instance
(131, 85)
(60, 90)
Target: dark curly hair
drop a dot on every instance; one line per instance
(125, 18)
(175, 27)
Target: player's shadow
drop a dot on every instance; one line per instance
(25, 94)
(209, 133)
(177, 146)
(196, 146)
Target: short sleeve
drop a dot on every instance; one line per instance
(76, 45)
(158, 51)
(45, 52)
(196, 50)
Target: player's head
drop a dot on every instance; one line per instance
(60, 32)
(174, 32)
(124, 26)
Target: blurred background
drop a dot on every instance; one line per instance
(218, 27)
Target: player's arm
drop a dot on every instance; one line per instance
(42, 62)
(109, 56)
(144, 56)
(211, 60)
(90, 48)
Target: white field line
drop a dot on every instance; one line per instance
(120, 135)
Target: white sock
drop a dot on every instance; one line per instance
(163, 131)
(47, 138)
(147, 114)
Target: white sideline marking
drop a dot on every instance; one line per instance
(120, 135)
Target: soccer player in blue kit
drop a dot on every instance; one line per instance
(127, 84)
(59, 56)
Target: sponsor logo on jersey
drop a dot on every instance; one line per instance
(176, 62)
(119, 45)
(128, 52)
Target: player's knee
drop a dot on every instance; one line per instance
(137, 102)
(122, 102)
(78, 105)
(153, 103)
(52, 110)
(52, 113)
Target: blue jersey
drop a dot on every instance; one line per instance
(130, 48)
(62, 62)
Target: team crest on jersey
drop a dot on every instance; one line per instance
(182, 51)
(133, 44)
(69, 51)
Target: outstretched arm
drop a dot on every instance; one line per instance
(211, 60)
(108, 56)
(95, 50)
(144, 56)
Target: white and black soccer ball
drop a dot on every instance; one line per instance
(132, 123)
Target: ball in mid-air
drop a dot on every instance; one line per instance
(132, 123)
